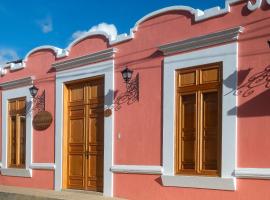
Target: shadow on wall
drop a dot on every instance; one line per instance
(130, 96)
(37, 105)
(257, 105)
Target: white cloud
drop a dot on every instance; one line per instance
(78, 34)
(46, 24)
(110, 29)
(7, 54)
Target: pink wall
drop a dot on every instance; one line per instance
(140, 124)
(38, 65)
(142, 187)
(43, 179)
(142, 128)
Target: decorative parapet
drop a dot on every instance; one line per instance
(85, 60)
(199, 15)
(226, 36)
(252, 6)
(59, 53)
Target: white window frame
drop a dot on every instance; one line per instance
(228, 56)
(6, 96)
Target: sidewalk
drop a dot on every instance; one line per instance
(18, 193)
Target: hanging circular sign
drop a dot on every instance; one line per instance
(108, 112)
(42, 120)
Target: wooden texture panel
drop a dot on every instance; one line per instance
(198, 121)
(210, 130)
(86, 135)
(17, 132)
(187, 78)
(188, 131)
(210, 75)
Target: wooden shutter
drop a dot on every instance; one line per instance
(187, 132)
(17, 133)
(210, 131)
(198, 120)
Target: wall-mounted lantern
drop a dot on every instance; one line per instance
(33, 91)
(127, 74)
(39, 101)
(131, 94)
(268, 43)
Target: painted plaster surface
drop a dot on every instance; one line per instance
(150, 185)
(138, 125)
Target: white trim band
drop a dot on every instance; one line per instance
(137, 169)
(46, 166)
(215, 183)
(85, 60)
(17, 83)
(253, 6)
(16, 172)
(229, 35)
(252, 173)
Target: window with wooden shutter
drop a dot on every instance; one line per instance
(198, 135)
(17, 132)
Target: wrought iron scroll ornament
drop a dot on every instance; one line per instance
(259, 79)
(130, 96)
(39, 102)
(37, 105)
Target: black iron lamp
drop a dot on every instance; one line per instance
(268, 43)
(127, 74)
(33, 91)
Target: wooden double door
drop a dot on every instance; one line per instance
(85, 134)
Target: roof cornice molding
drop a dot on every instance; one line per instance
(17, 83)
(59, 53)
(85, 60)
(226, 36)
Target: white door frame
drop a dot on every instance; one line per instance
(106, 69)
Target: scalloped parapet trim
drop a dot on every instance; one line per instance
(199, 15)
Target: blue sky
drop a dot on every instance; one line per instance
(30, 23)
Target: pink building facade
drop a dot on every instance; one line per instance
(139, 124)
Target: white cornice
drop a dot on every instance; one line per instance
(17, 83)
(89, 34)
(59, 53)
(252, 173)
(253, 6)
(136, 169)
(226, 36)
(12, 67)
(85, 60)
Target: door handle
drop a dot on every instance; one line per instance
(86, 154)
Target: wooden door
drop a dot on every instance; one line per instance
(85, 135)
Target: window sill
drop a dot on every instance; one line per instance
(16, 172)
(215, 183)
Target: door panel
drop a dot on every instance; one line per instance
(86, 135)
(188, 132)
